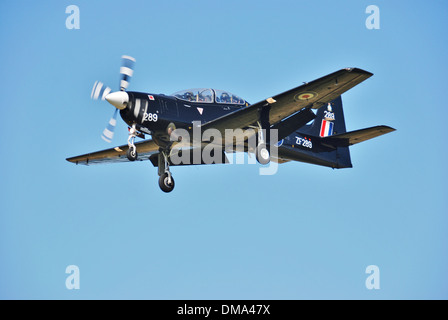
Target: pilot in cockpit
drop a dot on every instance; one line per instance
(225, 98)
(189, 96)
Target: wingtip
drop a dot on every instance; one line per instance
(359, 70)
(387, 129)
(391, 129)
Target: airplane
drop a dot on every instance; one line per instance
(308, 122)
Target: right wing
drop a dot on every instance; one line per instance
(314, 94)
(118, 154)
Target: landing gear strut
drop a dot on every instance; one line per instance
(262, 153)
(166, 180)
(132, 151)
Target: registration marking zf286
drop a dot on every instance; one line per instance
(304, 142)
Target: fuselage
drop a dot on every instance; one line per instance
(157, 114)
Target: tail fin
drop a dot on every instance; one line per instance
(326, 137)
(329, 126)
(329, 120)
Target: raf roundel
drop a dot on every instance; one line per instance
(305, 96)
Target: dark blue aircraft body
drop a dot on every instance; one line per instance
(308, 122)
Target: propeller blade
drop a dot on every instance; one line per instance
(126, 70)
(108, 133)
(99, 90)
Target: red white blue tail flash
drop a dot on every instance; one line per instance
(326, 128)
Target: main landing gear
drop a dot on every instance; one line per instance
(132, 151)
(166, 180)
(262, 153)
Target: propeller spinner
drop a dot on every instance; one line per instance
(119, 99)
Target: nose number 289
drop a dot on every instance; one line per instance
(150, 117)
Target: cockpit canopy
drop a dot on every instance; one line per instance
(209, 96)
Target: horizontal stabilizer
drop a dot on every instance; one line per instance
(357, 136)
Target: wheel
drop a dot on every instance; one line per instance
(132, 153)
(163, 183)
(262, 154)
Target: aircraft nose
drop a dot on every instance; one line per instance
(118, 99)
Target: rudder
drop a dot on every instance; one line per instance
(329, 120)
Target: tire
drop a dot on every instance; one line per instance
(132, 153)
(163, 183)
(262, 154)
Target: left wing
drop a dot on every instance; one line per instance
(118, 154)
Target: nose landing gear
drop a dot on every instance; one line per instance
(132, 151)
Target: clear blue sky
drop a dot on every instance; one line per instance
(225, 232)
